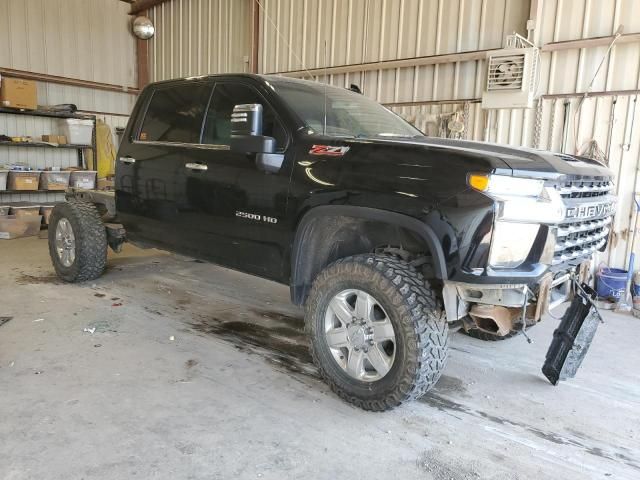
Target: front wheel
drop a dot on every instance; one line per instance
(77, 241)
(377, 334)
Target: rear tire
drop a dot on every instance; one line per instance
(80, 255)
(400, 298)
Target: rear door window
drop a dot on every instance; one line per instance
(175, 114)
(217, 128)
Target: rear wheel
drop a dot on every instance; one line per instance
(377, 334)
(77, 241)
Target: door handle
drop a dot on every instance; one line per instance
(127, 160)
(196, 166)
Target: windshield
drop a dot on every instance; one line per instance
(349, 114)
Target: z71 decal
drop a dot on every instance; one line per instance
(328, 150)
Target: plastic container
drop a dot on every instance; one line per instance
(50, 180)
(12, 226)
(611, 283)
(83, 179)
(23, 180)
(3, 179)
(77, 131)
(24, 209)
(4, 210)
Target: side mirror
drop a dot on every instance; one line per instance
(246, 130)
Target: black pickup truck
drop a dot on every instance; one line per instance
(389, 238)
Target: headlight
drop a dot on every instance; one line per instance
(525, 200)
(503, 186)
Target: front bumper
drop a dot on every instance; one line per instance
(552, 290)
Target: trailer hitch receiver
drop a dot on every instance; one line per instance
(572, 338)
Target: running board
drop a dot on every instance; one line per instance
(572, 338)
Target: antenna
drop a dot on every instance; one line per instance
(282, 37)
(326, 79)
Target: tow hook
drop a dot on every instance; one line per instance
(572, 338)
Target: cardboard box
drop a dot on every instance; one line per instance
(14, 227)
(24, 209)
(59, 139)
(18, 93)
(45, 211)
(105, 184)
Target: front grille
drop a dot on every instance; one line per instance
(588, 215)
(580, 239)
(584, 188)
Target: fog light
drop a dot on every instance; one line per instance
(511, 243)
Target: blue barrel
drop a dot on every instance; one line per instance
(635, 285)
(611, 283)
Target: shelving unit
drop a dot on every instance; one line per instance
(42, 113)
(59, 115)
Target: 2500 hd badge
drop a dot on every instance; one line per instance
(256, 216)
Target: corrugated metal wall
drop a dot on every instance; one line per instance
(317, 33)
(196, 37)
(299, 34)
(80, 39)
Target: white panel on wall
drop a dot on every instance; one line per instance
(84, 39)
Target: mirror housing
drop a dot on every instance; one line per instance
(246, 130)
(246, 137)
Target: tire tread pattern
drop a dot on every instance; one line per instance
(428, 329)
(91, 241)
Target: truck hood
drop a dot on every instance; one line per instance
(522, 161)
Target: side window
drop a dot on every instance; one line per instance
(217, 127)
(175, 114)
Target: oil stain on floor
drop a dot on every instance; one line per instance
(277, 337)
(24, 279)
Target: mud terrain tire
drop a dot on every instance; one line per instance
(89, 236)
(420, 328)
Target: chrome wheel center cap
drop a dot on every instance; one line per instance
(359, 335)
(355, 334)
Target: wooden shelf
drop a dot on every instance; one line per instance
(32, 191)
(44, 145)
(45, 113)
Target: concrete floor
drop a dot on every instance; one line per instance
(195, 372)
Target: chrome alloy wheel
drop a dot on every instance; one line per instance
(360, 335)
(65, 242)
